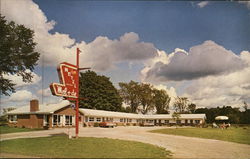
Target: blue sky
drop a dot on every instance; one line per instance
(146, 41)
(168, 25)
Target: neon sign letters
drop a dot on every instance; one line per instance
(68, 81)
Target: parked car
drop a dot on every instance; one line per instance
(107, 124)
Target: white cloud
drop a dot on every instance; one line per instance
(103, 53)
(230, 89)
(202, 60)
(45, 92)
(100, 54)
(203, 4)
(21, 95)
(19, 81)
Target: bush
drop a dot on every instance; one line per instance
(84, 125)
(96, 124)
(120, 124)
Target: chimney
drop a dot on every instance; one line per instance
(34, 105)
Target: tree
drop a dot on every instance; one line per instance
(4, 117)
(234, 114)
(245, 105)
(180, 104)
(16, 54)
(161, 101)
(191, 108)
(146, 97)
(130, 94)
(176, 116)
(99, 91)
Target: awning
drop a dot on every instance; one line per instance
(221, 118)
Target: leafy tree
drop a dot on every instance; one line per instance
(16, 54)
(130, 94)
(180, 104)
(4, 117)
(245, 105)
(140, 94)
(176, 116)
(161, 101)
(99, 91)
(126, 110)
(146, 97)
(234, 114)
(191, 107)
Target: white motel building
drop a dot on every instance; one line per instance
(63, 115)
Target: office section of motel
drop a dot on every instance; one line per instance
(63, 115)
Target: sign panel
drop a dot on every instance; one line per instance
(68, 81)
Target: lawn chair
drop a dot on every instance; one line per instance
(215, 125)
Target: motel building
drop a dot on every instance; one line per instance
(63, 115)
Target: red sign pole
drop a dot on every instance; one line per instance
(69, 84)
(77, 93)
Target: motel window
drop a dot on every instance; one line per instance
(191, 121)
(13, 118)
(86, 119)
(91, 119)
(98, 119)
(121, 120)
(166, 121)
(68, 119)
(45, 120)
(54, 119)
(186, 121)
(109, 119)
(130, 120)
(178, 121)
(57, 119)
(197, 121)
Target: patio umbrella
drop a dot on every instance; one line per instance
(221, 118)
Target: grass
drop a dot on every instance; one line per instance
(7, 129)
(238, 135)
(84, 147)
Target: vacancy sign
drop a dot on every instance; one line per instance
(68, 81)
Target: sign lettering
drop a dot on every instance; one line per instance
(68, 81)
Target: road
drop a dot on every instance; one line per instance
(182, 147)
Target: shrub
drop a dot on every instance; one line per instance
(96, 124)
(84, 125)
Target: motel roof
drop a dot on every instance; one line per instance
(103, 113)
(51, 108)
(43, 109)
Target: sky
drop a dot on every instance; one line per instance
(198, 50)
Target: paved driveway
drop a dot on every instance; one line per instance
(182, 147)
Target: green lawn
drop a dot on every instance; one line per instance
(85, 147)
(239, 135)
(7, 129)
